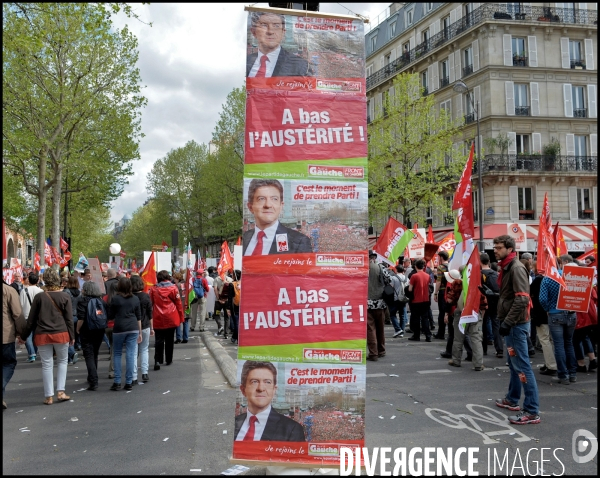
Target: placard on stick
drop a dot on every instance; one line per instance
(576, 297)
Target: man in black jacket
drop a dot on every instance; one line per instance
(271, 60)
(262, 422)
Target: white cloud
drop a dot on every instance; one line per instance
(190, 59)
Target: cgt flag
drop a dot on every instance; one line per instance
(551, 269)
(149, 274)
(393, 240)
(561, 245)
(226, 261)
(464, 225)
(471, 279)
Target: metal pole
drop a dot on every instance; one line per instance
(480, 188)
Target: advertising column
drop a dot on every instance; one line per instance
(302, 318)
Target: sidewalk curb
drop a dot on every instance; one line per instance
(226, 364)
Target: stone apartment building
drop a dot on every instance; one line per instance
(532, 69)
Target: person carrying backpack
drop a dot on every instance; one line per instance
(489, 283)
(91, 324)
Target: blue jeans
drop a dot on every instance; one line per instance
(186, 330)
(31, 348)
(143, 353)
(130, 341)
(9, 362)
(521, 375)
(396, 307)
(562, 326)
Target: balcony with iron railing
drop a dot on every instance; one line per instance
(580, 113)
(492, 163)
(486, 12)
(444, 81)
(521, 110)
(470, 118)
(577, 65)
(467, 70)
(519, 60)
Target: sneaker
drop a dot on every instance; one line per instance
(582, 369)
(531, 352)
(593, 366)
(564, 381)
(445, 355)
(178, 341)
(156, 366)
(479, 369)
(184, 341)
(524, 418)
(75, 357)
(453, 363)
(573, 379)
(115, 386)
(504, 403)
(469, 359)
(30, 359)
(372, 358)
(145, 377)
(128, 386)
(191, 329)
(111, 375)
(547, 371)
(135, 382)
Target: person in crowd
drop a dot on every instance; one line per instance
(539, 318)
(167, 314)
(51, 316)
(72, 289)
(584, 334)
(440, 292)
(531, 338)
(210, 296)
(235, 290)
(431, 286)
(513, 312)
(454, 289)
(403, 314)
(527, 256)
(64, 279)
(91, 324)
(397, 306)
(378, 277)
(26, 299)
(111, 287)
(13, 324)
(137, 285)
(408, 268)
(491, 326)
(182, 333)
(562, 327)
(419, 317)
(124, 308)
(221, 295)
(17, 282)
(198, 311)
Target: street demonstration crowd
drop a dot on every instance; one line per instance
(513, 295)
(59, 314)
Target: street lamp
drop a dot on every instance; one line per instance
(461, 87)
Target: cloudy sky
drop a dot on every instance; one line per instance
(190, 59)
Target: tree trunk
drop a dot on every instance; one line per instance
(56, 194)
(41, 217)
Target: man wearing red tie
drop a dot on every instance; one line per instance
(271, 59)
(265, 202)
(261, 422)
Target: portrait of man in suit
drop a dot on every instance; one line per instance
(261, 422)
(265, 202)
(272, 60)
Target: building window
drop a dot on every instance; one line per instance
(470, 112)
(424, 83)
(448, 218)
(579, 110)
(468, 56)
(445, 27)
(526, 210)
(521, 100)
(584, 204)
(519, 52)
(406, 51)
(386, 59)
(373, 42)
(524, 160)
(444, 73)
(523, 143)
(428, 7)
(575, 54)
(581, 153)
(409, 17)
(513, 8)
(369, 70)
(393, 29)
(425, 35)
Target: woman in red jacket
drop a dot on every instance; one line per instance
(167, 315)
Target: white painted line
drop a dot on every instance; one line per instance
(434, 371)
(373, 375)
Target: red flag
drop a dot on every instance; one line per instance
(165, 246)
(239, 241)
(430, 234)
(561, 245)
(55, 255)
(543, 235)
(551, 269)
(122, 253)
(63, 244)
(36, 261)
(47, 254)
(392, 241)
(463, 200)
(65, 261)
(134, 265)
(149, 274)
(226, 261)
(472, 274)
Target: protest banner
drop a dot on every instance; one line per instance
(576, 295)
(96, 270)
(302, 315)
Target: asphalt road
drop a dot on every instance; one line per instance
(432, 405)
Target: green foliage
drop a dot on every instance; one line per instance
(149, 225)
(71, 103)
(408, 147)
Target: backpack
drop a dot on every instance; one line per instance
(199, 288)
(224, 295)
(388, 288)
(96, 316)
(489, 278)
(236, 291)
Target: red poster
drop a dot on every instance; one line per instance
(576, 295)
(301, 126)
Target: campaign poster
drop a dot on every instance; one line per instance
(576, 296)
(302, 315)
